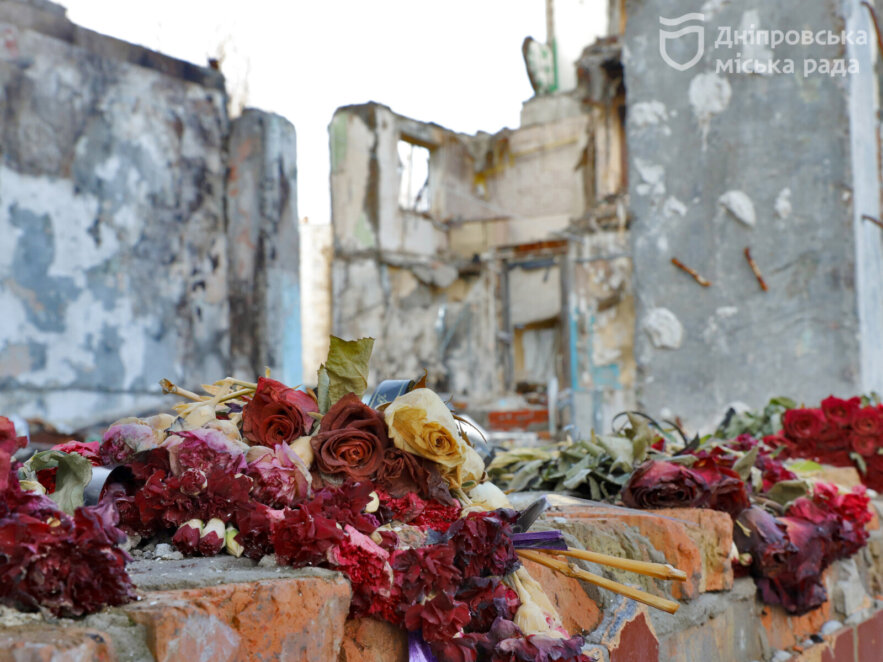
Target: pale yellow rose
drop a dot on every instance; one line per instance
(420, 423)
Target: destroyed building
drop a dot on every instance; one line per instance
(534, 269)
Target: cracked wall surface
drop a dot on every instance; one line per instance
(114, 249)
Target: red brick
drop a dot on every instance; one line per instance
(712, 531)
(370, 640)
(284, 619)
(578, 611)
(666, 534)
(840, 646)
(46, 643)
(629, 635)
(869, 635)
(785, 630)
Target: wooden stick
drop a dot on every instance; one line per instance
(658, 570)
(695, 274)
(566, 569)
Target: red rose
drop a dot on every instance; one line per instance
(868, 421)
(352, 440)
(277, 414)
(862, 444)
(665, 485)
(728, 492)
(840, 412)
(804, 424)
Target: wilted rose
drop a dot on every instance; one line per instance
(352, 440)
(420, 423)
(728, 492)
(658, 484)
(277, 414)
(280, 477)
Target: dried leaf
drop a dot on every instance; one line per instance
(74, 474)
(786, 491)
(345, 370)
(744, 464)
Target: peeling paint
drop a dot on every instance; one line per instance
(709, 96)
(664, 328)
(740, 206)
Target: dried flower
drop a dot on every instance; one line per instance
(351, 441)
(277, 414)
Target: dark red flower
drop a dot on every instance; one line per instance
(728, 492)
(764, 537)
(366, 565)
(277, 414)
(659, 484)
(205, 449)
(488, 598)
(352, 440)
(458, 649)
(404, 473)
(304, 536)
(863, 444)
(804, 424)
(439, 619)
(255, 523)
(483, 542)
(186, 538)
(841, 412)
(868, 421)
(422, 571)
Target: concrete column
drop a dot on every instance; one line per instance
(262, 232)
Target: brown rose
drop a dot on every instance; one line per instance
(352, 440)
(403, 472)
(277, 414)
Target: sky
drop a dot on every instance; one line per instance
(454, 62)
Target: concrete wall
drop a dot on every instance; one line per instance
(783, 164)
(113, 262)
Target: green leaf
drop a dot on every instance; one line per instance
(74, 473)
(743, 464)
(642, 437)
(524, 476)
(787, 491)
(804, 466)
(345, 370)
(860, 463)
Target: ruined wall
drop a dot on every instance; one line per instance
(504, 280)
(113, 262)
(785, 164)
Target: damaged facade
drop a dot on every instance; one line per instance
(497, 263)
(539, 260)
(145, 234)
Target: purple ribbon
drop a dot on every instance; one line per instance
(539, 540)
(418, 649)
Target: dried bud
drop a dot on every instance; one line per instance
(186, 538)
(213, 537)
(233, 547)
(374, 504)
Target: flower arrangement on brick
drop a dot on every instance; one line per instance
(395, 498)
(788, 527)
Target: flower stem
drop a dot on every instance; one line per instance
(169, 387)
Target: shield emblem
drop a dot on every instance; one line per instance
(667, 36)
